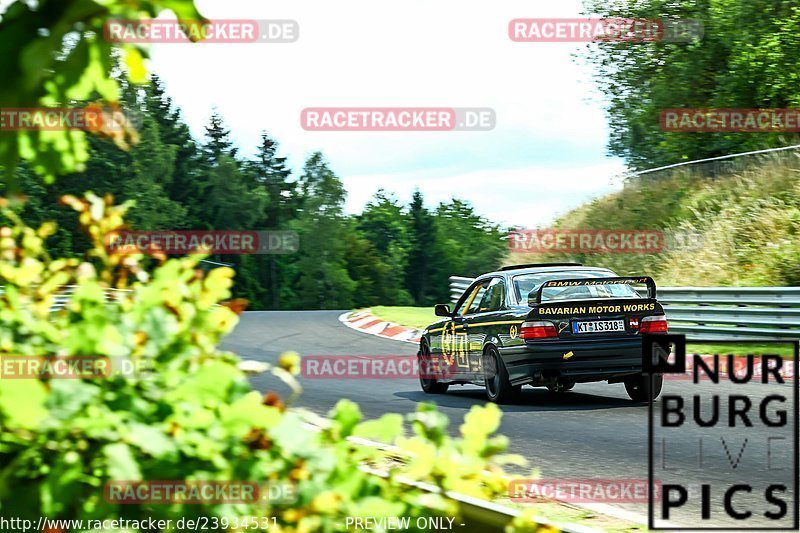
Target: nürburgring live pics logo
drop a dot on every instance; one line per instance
(723, 446)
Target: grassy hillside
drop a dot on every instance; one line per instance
(739, 230)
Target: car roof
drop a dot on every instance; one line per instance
(543, 269)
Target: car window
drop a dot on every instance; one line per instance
(494, 298)
(476, 301)
(467, 298)
(525, 283)
(473, 299)
(598, 291)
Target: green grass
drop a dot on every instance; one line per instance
(735, 230)
(783, 349)
(415, 317)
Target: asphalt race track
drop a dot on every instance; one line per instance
(595, 431)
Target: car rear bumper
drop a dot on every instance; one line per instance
(543, 361)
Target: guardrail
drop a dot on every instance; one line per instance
(65, 294)
(67, 291)
(752, 313)
(111, 295)
(725, 165)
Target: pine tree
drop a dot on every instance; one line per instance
(421, 254)
(272, 173)
(152, 170)
(231, 199)
(323, 281)
(185, 187)
(218, 142)
(232, 202)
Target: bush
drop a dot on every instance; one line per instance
(186, 411)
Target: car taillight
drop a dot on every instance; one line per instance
(653, 324)
(537, 330)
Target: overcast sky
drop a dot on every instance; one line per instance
(546, 154)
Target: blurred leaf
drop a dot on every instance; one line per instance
(345, 415)
(121, 463)
(26, 414)
(385, 429)
(152, 440)
(135, 63)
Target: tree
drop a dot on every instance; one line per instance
(366, 268)
(232, 203)
(218, 141)
(152, 170)
(185, 186)
(323, 281)
(272, 173)
(466, 243)
(178, 407)
(383, 224)
(422, 261)
(748, 57)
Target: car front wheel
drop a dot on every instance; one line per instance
(429, 385)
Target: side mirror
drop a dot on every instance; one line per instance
(532, 297)
(442, 310)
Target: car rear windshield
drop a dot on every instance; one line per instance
(525, 283)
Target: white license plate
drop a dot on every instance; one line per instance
(598, 326)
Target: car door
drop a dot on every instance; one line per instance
(455, 339)
(481, 317)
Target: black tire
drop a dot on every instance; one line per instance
(639, 389)
(498, 388)
(429, 386)
(561, 386)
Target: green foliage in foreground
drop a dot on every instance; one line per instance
(739, 230)
(187, 411)
(59, 57)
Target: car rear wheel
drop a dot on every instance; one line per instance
(498, 388)
(561, 386)
(429, 385)
(640, 390)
